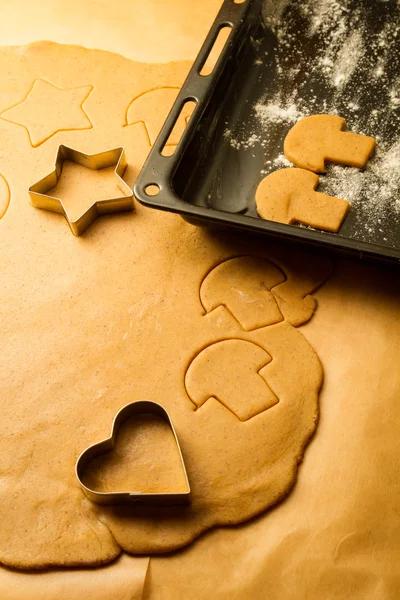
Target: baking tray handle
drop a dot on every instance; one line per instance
(158, 170)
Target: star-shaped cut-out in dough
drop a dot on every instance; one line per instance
(91, 186)
(47, 109)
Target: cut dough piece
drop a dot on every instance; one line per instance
(67, 102)
(243, 285)
(93, 323)
(289, 196)
(319, 138)
(242, 390)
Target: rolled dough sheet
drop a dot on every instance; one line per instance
(93, 322)
(336, 535)
(22, 22)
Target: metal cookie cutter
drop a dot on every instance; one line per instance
(39, 191)
(131, 497)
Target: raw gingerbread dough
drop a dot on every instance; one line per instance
(320, 138)
(289, 196)
(67, 103)
(92, 323)
(206, 378)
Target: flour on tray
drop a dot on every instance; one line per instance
(375, 187)
(336, 57)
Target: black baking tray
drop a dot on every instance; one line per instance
(210, 178)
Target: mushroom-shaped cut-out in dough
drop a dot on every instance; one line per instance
(232, 372)
(152, 107)
(320, 138)
(289, 196)
(243, 286)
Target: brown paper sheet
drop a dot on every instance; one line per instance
(336, 536)
(143, 30)
(123, 579)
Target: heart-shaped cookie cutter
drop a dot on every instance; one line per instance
(131, 497)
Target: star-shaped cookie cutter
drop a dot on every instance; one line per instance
(131, 497)
(39, 191)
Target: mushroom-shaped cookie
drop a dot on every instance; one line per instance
(234, 373)
(320, 138)
(243, 285)
(289, 196)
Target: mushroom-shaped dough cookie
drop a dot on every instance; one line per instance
(234, 373)
(319, 138)
(289, 196)
(243, 285)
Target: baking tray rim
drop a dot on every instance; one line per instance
(159, 170)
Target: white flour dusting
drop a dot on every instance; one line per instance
(280, 162)
(328, 58)
(273, 10)
(375, 187)
(278, 113)
(323, 13)
(347, 59)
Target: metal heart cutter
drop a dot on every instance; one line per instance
(131, 496)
